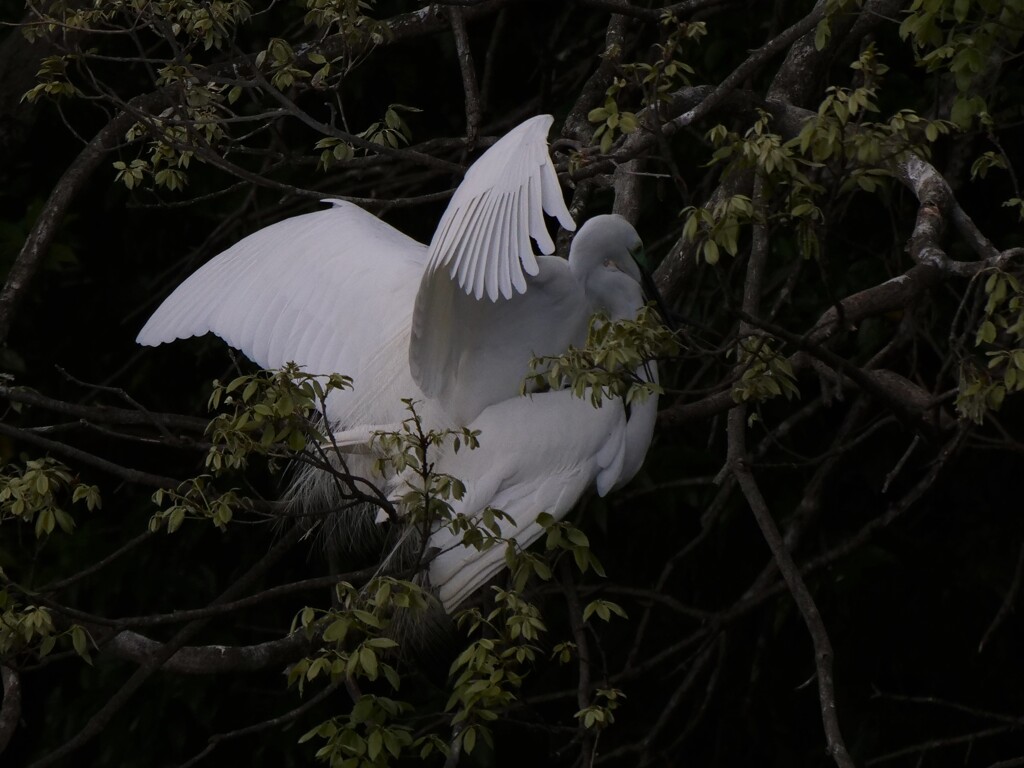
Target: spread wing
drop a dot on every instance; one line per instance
(483, 239)
(330, 290)
(469, 350)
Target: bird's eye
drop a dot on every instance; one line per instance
(611, 264)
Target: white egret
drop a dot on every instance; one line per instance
(454, 326)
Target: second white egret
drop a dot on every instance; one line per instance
(452, 325)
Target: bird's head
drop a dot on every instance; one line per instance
(603, 257)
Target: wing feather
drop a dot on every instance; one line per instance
(460, 228)
(475, 235)
(286, 325)
(326, 290)
(518, 278)
(570, 445)
(474, 251)
(506, 236)
(487, 272)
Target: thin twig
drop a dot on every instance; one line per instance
(264, 725)
(1007, 605)
(119, 699)
(99, 565)
(125, 473)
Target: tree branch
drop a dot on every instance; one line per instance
(125, 473)
(10, 710)
(468, 70)
(37, 244)
(739, 468)
(100, 719)
(209, 659)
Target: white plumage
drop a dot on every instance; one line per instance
(454, 326)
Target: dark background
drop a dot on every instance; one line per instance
(724, 671)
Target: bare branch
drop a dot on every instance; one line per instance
(155, 661)
(209, 659)
(468, 69)
(99, 565)
(37, 244)
(739, 468)
(103, 413)
(125, 473)
(797, 587)
(1008, 601)
(10, 709)
(264, 725)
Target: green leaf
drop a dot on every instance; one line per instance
(336, 630)
(374, 745)
(986, 333)
(368, 661)
(46, 645)
(469, 740)
(79, 641)
(822, 34)
(391, 676)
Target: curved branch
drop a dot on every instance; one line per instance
(691, 104)
(754, 62)
(70, 184)
(209, 659)
(99, 565)
(212, 611)
(898, 293)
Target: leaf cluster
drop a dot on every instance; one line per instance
(612, 361)
(1000, 335)
(765, 373)
(959, 38)
(30, 629)
(37, 491)
(269, 413)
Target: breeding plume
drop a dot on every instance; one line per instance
(453, 325)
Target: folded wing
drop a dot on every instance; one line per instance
(536, 454)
